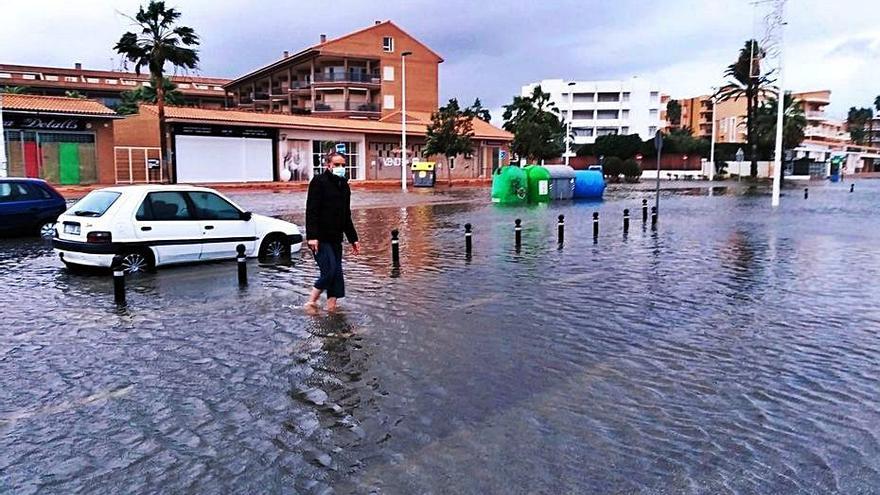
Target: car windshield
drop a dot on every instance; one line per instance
(95, 204)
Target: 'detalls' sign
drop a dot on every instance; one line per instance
(26, 122)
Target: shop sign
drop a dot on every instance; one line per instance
(43, 123)
(223, 131)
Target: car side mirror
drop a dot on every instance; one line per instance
(246, 216)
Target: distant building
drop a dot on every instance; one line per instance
(600, 108)
(357, 75)
(107, 86)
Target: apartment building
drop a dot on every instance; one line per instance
(357, 75)
(600, 108)
(107, 86)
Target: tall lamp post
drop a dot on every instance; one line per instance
(403, 152)
(570, 116)
(714, 100)
(780, 108)
(4, 171)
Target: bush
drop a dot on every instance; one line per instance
(612, 168)
(631, 170)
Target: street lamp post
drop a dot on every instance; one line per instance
(4, 171)
(570, 116)
(780, 108)
(712, 145)
(403, 152)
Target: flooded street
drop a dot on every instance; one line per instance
(732, 350)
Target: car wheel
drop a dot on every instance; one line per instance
(137, 262)
(274, 247)
(47, 230)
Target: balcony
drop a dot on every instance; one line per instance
(360, 107)
(349, 78)
(815, 114)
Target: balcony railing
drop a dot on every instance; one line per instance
(814, 114)
(348, 106)
(350, 77)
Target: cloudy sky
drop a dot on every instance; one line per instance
(491, 48)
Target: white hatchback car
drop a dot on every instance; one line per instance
(157, 225)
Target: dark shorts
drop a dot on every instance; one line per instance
(329, 258)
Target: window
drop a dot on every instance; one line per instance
(624, 131)
(655, 96)
(582, 115)
(319, 154)
(653, 113)
(388, 73)
(625, 96)
(35, 191)
(111, 81)
(5, 75)
(624, 114)
(209, 206)
(609, 97)
(584, 97)
(388, 44)
(652, 130)
(93, 80)
(11, 191)
(164, 206)
(606, 114)
(71, 78)
(583, 131)
(95, 204)
(606, 131)
(29, 76)
(51, 78)
(388, 102)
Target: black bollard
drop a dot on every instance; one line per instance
(626, 220)
(242, 265)
(595, 224)
(560, 229)
(467, 239)
(852, 187)
(644, 211)
(517, 233)
(118, 280)
(653, 216)
(395, 248)
(806, 192)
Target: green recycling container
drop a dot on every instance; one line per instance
(539, 184)
(509, 185)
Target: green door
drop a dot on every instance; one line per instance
(68, 156)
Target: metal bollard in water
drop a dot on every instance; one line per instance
(118, 280)
(806, 192)
(626, 220)
(467, 239)
(242, 265)
(653, 216)
(395, 248)
(852, 187)
(517, 233)
(644, 211)
(595, 224)
(560, 229)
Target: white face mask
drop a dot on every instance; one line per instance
(339, 171)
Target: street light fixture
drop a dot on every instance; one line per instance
(570, 116)
(403, 152)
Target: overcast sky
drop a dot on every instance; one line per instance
(491, 48)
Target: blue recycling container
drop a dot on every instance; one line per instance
(588, 184)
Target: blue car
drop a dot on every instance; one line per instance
(29, 206)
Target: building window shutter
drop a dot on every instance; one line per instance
(388, 103)
(388, 73)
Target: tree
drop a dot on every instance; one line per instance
(871, 137)
(623, 147)
(74, 94)
(449, 133)
(856, 121)
(631, 170)
(793, 124)
(478, 111)
(746, 81)
(538, 131)
(15, 90)
(673, 112)
(131, 100)
(159, 42)
(612, 167)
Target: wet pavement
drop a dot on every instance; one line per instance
(732, 350)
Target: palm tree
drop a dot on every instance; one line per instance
(15, 90)
(876, 107)
(793, 122)
(746, 81)
(159, 42)
(131, 100)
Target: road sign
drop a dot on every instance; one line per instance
(340, 148)
(502, 154)
(740, 156)
(658, 141)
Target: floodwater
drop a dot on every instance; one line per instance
(732, 350)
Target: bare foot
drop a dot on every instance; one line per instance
(332, 308)
(311, 308)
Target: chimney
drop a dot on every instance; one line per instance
(78, 66)
(378, 22)
(323, 38)
(286, 54)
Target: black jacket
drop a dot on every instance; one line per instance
(328, 209)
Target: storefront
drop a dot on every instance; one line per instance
(212, 153)
(65, 141)
(302, 153)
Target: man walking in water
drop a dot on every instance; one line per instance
(328, 217)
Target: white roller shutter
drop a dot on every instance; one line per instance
(223, 159)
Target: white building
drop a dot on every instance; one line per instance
(599, 108)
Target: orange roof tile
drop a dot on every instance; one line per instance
(482, 130)
(54, 104)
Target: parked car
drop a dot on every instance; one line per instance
(29, 206)
(150, 226)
